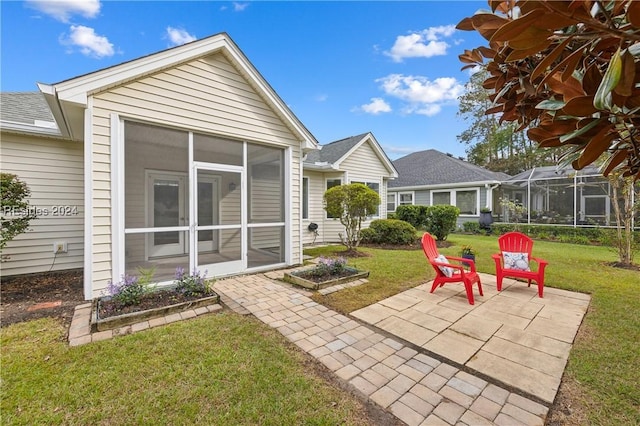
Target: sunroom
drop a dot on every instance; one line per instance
(557, 196)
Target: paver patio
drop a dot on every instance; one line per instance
(512, 336)
(430, 359)
(417, 388)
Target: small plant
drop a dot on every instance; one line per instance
(485, 210)
(191, 285)
(329, 266)
(468, 250)
(131, 289)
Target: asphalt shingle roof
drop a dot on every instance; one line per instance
(24, 107)
(332, 152)
(432, 167)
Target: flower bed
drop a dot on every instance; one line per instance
(328, 272)
(134, 300)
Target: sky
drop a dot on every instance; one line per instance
(343, 68)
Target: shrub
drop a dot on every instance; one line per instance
(415, 215)
(441, 220)
(390, 231)
(16, 213)
(328, 266)
(472, 227)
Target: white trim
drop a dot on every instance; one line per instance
(301, 219)
(88, 204)
(244, 208)
(77, 90)
(193, 189)
(287, 158)
(378, 151)
(445, 186)
(117, 196)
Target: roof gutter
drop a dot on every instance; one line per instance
(51, 96)
(444, 185)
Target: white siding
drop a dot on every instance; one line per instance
(53, 170)
(207, 95)
(362, 165)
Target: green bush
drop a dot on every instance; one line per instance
(415, 215)
(441, 220)
(389, 231)
(472, 227)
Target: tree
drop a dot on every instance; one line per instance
(16, 213)
(351, 204)
(493, 145)
(567, 71)
(625, 205)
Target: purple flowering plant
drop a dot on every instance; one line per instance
(130, 289)
(195, 284)
(329, 266)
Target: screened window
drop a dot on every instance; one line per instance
(305, 198)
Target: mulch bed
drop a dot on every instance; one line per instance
(314, 277)
(33, 296)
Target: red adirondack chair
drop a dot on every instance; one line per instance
(458, 274)
(516, 262)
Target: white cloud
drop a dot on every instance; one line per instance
(90, 43)
(179, 36)
(62, 10)
(422, 95)
(422, 44)
(321, 97)
(375, 107)
(239, 7)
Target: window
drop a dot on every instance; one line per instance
(465, 199)
(391, 202)
(305, 198)
(330, 184)
(376, 187)
(406, 199)
(441, 198)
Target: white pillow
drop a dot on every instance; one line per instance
(516, 261)
(447, 271)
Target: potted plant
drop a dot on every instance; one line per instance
(486, 218)
(468, 252)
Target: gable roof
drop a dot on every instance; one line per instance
(331, 155)
(434, 168)
(26, 112)
(68, 99)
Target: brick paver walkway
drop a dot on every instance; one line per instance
(416, 388)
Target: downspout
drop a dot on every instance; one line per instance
(490, 189)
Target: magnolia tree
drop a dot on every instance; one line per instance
(352, 204)
(569, 72)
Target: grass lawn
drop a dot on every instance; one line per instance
(604, 362)
(220, 369)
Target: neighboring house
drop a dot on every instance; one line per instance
(431, 177)
(186, 157)
(357, 159)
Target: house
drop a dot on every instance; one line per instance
(431, 177)
(357, 159)
(183, 158)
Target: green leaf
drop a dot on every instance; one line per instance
(581, 131)
(602, 98)
(551, 104)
